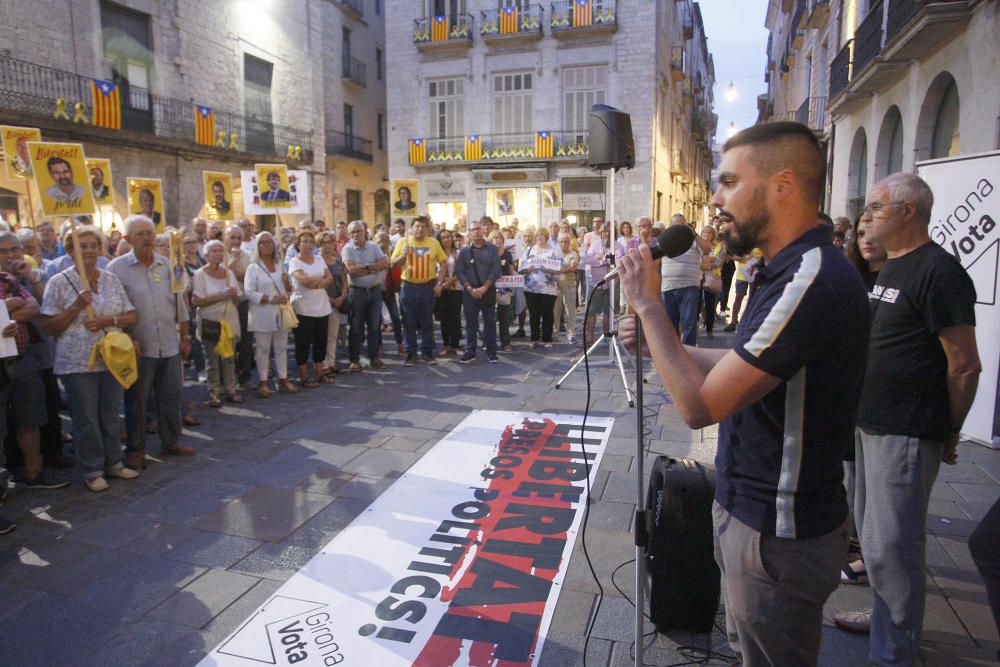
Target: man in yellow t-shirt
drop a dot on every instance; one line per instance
(421, 257)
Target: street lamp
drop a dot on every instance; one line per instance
(731, 91)
(732, 128)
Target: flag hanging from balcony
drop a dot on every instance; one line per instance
(418, 151)
(107, 104)
(508, 20)
(474, 147)
(581, 13)
(204, 125)
(543, 144)
(439, 29)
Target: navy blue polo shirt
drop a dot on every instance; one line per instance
(780, 460)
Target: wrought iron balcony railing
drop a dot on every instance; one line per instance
(868, 38)
(432, 30)
(354, 70)
(33, 89)
(840, 70)
(349, 145)
(569, 15)
(811, 113)
(513, 147)
(511, 21)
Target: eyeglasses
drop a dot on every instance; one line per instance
(874, 208)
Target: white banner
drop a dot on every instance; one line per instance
(540, 263)
(964, 222)
(459, 562)
(298, 190)
(510, 282)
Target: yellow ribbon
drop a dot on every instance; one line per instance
(221, 141)
(232, 141)
(60, 111)
(80, 113)
(294, 153)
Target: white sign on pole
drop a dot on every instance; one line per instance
(964, 222)
(298, 188)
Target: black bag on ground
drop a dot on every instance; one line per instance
(685, 580)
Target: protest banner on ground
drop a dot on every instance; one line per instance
(459, 562)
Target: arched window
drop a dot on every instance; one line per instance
(857, 174)
(946, 124)
(889, 152)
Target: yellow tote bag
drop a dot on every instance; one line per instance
(225, 348)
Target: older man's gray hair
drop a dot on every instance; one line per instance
(914, 190)
(7, 235)
(136, 219)
(26, 234)
(357, 224)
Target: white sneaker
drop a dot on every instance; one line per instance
(122, 473)
(854, 621)
(96, 484)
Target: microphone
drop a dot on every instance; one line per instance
(674, 241)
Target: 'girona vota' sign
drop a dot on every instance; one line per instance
(460, 562)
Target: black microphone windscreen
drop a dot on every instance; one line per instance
(674, 241)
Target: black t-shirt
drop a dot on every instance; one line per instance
(906, 385)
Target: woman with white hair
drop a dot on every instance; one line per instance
(216, 292)
(266, 286)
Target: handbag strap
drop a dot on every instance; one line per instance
(65, 274)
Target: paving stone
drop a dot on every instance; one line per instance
(275, 561)
(976, 493)
(204, 598)
(318, 531)
(610, 515)
(162, 539)
(186, 502)
(573, 612)
(239, 611)
(562, 650)
(151, 642)
(214, 550)
(112, 531)
(264, 513)
(141, 584)
(615, 619)
(620, 488)
(381, 463)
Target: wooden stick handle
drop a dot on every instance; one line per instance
(78, 260)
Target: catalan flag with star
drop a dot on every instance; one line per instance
(439, 29)
(474, 147)
(544, 144)
(106, 99)
(508, 20)
(204, 125)
(418, 151)
(581, 13)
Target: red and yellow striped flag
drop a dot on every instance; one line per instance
(473, 147)
(508, 20)
(418, 151)
(439, 29)
(581, 13)
(107, 104)
(204, 125)
(544, 142)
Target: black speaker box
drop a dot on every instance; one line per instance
(611, 143)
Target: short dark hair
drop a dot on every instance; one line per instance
(786, 145)
(56, 160)
(825, 218)
(422, 218)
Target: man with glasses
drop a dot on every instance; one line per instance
(921, 377)
(365, 263)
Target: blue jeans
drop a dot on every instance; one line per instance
(162, 376)
(418, 315)
(472, 308)
(96, 398)
(366, 313)
(682, 305)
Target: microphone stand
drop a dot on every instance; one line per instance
(641, 530)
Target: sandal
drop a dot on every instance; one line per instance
(213, 402)
(328, 378)
(310, 383)
(854, 573)
(288, 387)
(263, 391)
(190, 420)
(234, 398)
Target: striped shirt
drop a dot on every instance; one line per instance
(424, 255)
(780, 459)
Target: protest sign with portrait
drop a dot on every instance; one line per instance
(218, 194)
(99, 173)
(60, 173)
(16, 155)
(551, 195)
(406, 198)
(145, 197)
(272, 180)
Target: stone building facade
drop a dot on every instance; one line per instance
(885, 83)
(489, 100)
(274, 73)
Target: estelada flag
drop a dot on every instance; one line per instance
(473, 147)
(204, 125)
(581, 13)
(508, 20)
(418, 151)
(543, 144)
(107, 105)
(439, 29)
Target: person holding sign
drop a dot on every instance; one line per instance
(541, 265)
(80, 305)
(145, 276)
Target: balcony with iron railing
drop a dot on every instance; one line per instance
(811, 113)
(840, 70)
(569, 18)
(354, 70)
(819, 14)
(511, 23)
(868, 38)
(29, 90)
(916, 27)
(355, 7)
(446, 31)
(348, 145)
(501, 148)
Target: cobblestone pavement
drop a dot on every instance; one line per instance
(158, 570)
